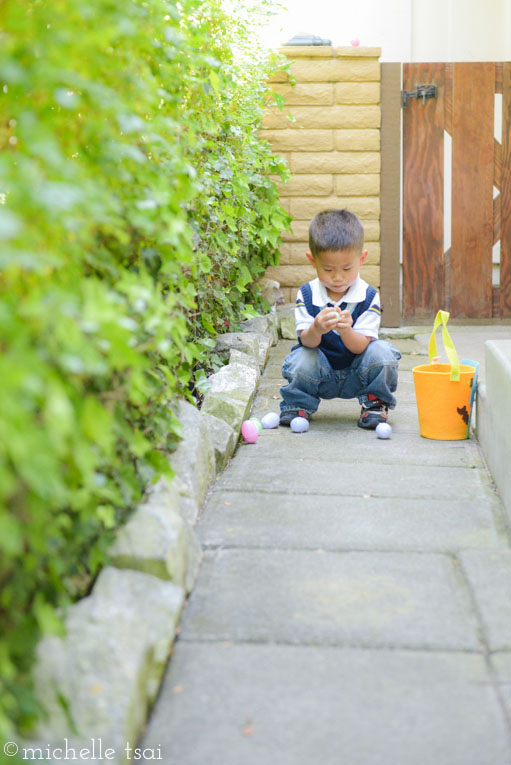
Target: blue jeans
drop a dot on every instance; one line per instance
(311, 377)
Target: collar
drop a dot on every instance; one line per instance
(355, 294)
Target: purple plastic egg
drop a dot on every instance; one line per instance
(250, 432)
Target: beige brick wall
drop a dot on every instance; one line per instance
(332, 148)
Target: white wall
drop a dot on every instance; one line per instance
(461, 30)
(406, 30)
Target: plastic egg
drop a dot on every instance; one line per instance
(250, 432)
(383, 430)
(299, 424)
(355, 43)
(270, 420)
(257, 423)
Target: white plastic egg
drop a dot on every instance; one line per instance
(270, 420)
(383, 430)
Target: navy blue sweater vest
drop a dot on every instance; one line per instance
(331, 344)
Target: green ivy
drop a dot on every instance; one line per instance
(136, 215)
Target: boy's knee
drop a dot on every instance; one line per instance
(302, 361)
(381, 352)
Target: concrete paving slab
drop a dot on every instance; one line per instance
(501, 664)
(274, 705)
(239, 519)
(400, 600)
(489, 575)
(326, 440)
(251, 473)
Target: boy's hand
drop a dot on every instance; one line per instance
(327, 319)
(345, 321)
(333, 318)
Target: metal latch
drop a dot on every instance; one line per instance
(421, 91)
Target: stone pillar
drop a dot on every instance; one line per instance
(332, 149)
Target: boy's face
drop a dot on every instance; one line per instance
(338, 269)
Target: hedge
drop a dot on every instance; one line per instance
(136, 215)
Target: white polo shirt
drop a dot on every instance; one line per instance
(368, 323)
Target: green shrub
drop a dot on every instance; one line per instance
(136, 214)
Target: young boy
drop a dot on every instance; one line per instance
(337, 321)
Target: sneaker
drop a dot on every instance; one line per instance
(290, 414)
(373, 413)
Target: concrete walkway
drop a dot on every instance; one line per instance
(354, 602)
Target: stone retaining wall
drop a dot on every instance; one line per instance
(98, 681)
(332, 149)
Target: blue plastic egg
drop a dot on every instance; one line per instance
(299, 425)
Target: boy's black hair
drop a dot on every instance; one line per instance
(335, 230)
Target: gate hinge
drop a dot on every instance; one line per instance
(421, 91)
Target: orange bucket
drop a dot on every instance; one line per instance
(444, 392)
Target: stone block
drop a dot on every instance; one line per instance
(306, 94)
(371, 230)
(352, 116)
(357, 70)
(152, 541)
(362, 51)
(194, 458)
(231, 393)
(297, 256)
(285, 203)
(174, 496)
(289, 139)
(238, 357)
(371, 274)
(109, 665)
(222, 436)
(284, 251)
(299, 232)
(291, 276)
(289, 294)
(334, 70)
(270, 290)
(247, 342)
(335, 162)
(287, 326)
(356, 140)
(307, 51)
(373, 253)
(304, 208)
(357, 92)
(357, 185)
(263, 325)
(306, 185)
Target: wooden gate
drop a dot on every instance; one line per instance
(461, 278)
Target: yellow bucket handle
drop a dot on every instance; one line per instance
(442, 318)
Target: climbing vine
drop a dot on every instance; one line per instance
(136, 215)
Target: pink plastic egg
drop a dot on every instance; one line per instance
(250, 432)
